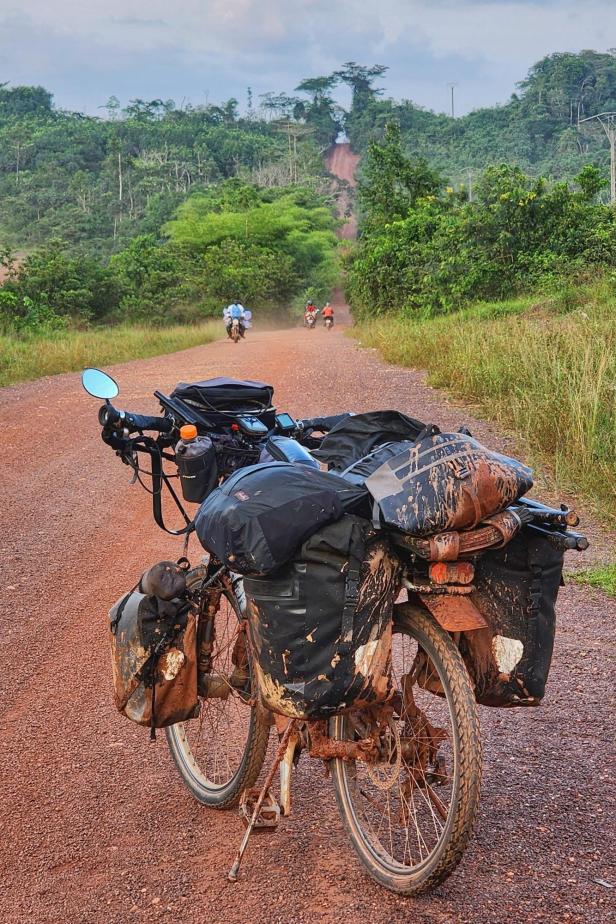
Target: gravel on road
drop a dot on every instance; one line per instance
(95, 825)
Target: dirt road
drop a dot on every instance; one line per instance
(342, 163)
(94, 823)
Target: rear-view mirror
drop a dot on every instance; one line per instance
(99, 384)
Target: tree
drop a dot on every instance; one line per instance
(24, 101)
(390, 182)
(591, 181)
(361, 79)
(321, 113)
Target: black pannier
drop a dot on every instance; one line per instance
(357, 435)
(259, 517)
(516, 591)
(320, 627)
(224, 394)
(445, 481)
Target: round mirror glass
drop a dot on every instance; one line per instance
(99, 384)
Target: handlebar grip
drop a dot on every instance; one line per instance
(109, 416)
(144, 422)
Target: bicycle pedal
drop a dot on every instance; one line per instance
(269, 813)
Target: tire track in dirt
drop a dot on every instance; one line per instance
(95, 825)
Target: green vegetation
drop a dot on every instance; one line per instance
(604, 578)
(536, 130)
(266, 247)
(158, 215)
(48, 354)
(545, 369)
(98, 182)
(426, 249)
(543, 365)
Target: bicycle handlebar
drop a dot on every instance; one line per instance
(109, 416)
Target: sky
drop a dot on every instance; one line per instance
(200, 51)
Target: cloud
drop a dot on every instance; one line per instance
(86, 49)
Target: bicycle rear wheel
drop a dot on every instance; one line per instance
(410, 814)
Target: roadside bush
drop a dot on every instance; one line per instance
(52, 288)
(426, 250)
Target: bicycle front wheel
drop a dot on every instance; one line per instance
(220, 752)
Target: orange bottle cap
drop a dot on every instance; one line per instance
(188, 432)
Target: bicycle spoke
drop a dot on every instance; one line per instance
(404, 816)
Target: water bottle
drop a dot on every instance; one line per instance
(196, 460)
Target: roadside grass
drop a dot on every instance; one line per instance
(603, 577)
(33, 357)
(544, 368)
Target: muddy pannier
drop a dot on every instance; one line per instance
(445, 481)
(320, 627)
(515, 590)
(154, 651)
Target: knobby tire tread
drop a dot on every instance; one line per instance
(469, 763)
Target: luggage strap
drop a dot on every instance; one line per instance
(351, 592)
(118, 616)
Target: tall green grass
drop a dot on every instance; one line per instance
(33, 357)
(603, 577)
(548, 375)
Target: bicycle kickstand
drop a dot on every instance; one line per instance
(282, 747)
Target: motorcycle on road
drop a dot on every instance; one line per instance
(406, 770)
(235, 330)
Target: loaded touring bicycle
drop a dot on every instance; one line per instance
(364, 582)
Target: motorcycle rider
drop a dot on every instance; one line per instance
(328, 312)
(310, 311)
(233, 311)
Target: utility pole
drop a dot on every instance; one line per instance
(470, 185)
(452, 86)
(607, 121)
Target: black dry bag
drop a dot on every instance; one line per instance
(258, 518)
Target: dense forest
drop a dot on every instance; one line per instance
(156, 212)
(540, 129)
(159, 213)
(425, 248)
(100, 181)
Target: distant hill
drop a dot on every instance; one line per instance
(96, 183)
(536, 130)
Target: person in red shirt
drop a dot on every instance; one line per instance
(328, 312)
(310, 314)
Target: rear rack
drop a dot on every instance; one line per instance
(498, 530)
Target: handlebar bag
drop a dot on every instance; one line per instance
(256, 520)
(445, 481)
(154, 659)
(225, 394)
(320, 627)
